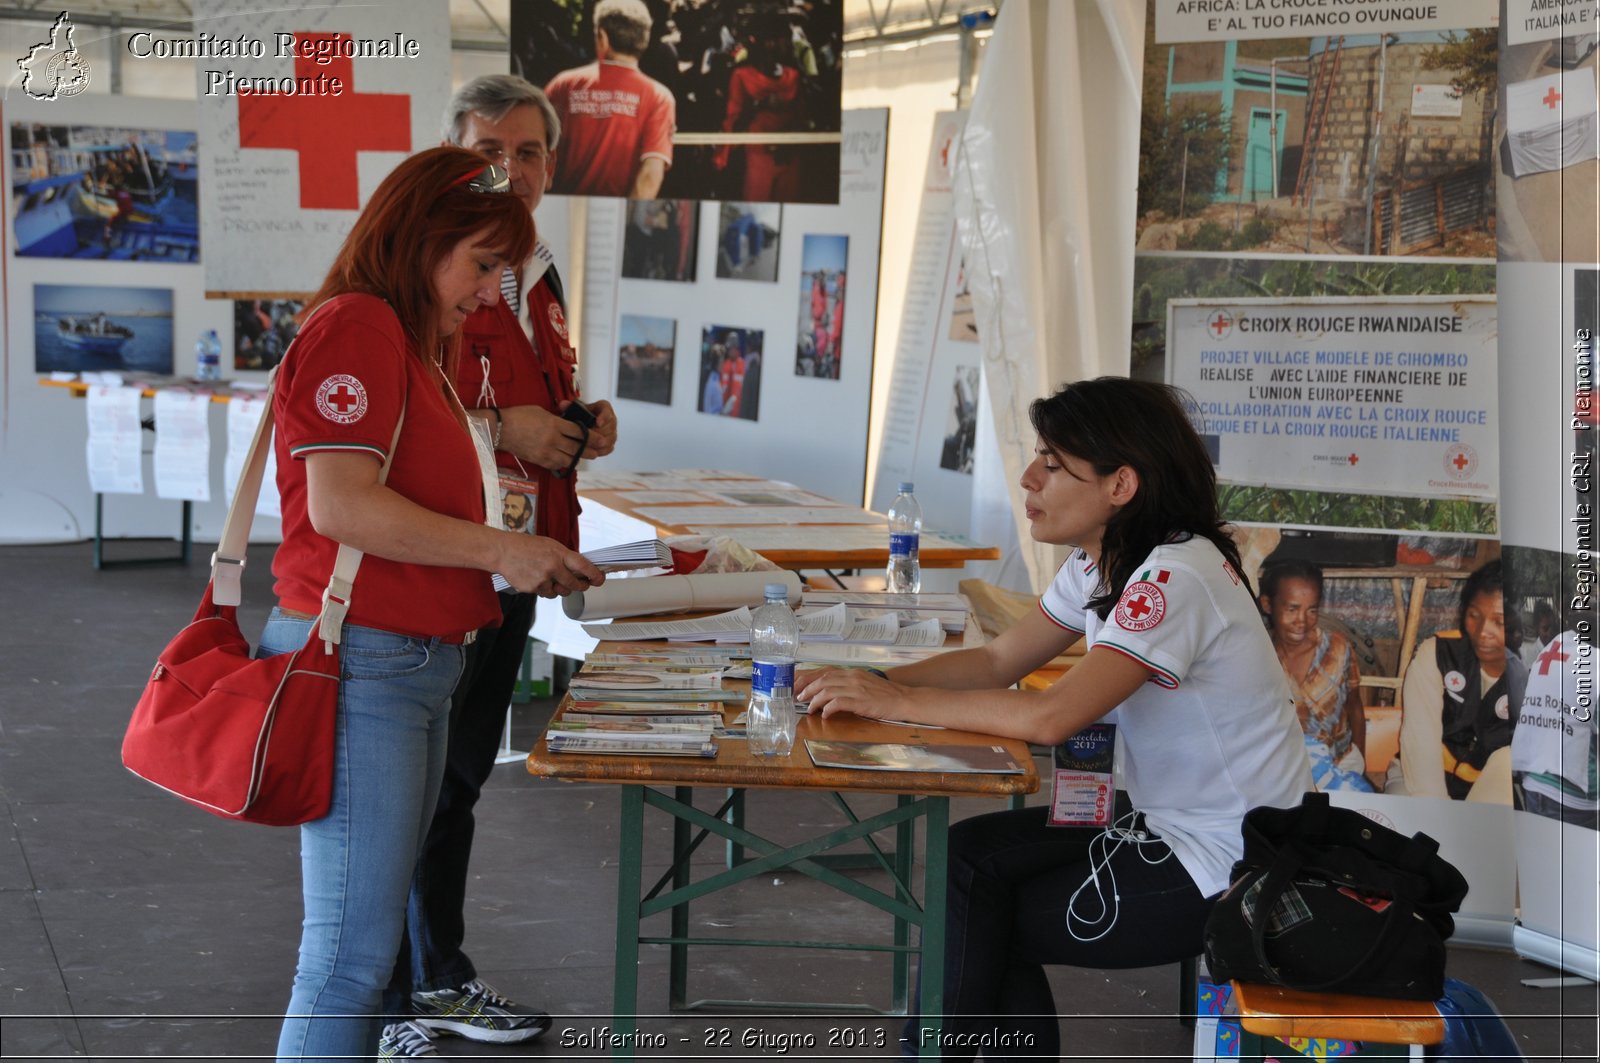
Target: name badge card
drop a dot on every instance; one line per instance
(1084, 789)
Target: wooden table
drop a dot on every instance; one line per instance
(820, 554)
(668, 784)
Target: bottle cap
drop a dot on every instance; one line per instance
(906, 487)
(778, 590)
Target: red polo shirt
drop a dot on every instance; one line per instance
(341, 387)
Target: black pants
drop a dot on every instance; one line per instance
(431, 957)
(1011, 879)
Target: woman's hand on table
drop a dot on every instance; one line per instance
(538, 565)
(853, 690)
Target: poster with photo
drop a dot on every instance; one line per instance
(1555, 748)
(752, 90)
(730, 371)
(262, 331)
(747, 241)
(1547, 139)
(961, 426)
(645, 357)
(88, 328)
(963, 323)
(662, 240)
(1279, 144)
(100, 192)
(822, 288)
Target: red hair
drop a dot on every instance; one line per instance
(417, 216)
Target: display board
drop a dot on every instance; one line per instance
(1314, 267)
(759, 369)
(930, 423)
(296, 132)
(45, 494)
(1550, 313)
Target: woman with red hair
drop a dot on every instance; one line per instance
(374, 452)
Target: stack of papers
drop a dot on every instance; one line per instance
(836, 623)
(950, 609)
(637, 746)
(645, 553)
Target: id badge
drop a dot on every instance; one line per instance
(1084, 789)
(484, 448)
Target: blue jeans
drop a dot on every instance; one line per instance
(431, 957)
(356, 862)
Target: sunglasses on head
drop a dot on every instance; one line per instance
(491, 179)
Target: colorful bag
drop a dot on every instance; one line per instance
(239, 737)
(1327, 899)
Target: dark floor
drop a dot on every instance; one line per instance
(132, 926)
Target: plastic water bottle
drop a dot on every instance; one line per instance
(208, 356)
(774, 644)
(905, 533)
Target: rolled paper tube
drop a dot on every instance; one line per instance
(645, 595)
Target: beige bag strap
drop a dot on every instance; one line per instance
(227, 564)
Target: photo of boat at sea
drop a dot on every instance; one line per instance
(80, 327)
(96, 192)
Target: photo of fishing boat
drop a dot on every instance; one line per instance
(102, 193)
(80, 327)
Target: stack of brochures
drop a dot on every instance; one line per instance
(689, 735)
(650, 683)
(646, 553)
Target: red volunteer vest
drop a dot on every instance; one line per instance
(523, 374)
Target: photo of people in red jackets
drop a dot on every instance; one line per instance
(755, 84)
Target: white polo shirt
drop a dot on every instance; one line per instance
(1214, 732)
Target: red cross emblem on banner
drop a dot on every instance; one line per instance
(1551, 655)
(1551, 98)
(342, 399)
(1221, 323)
(1460, 462)
(326, 131)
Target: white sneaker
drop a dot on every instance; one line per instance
(406, 1040)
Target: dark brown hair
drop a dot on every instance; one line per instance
(1110, 422)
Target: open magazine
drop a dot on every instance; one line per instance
(894, 756)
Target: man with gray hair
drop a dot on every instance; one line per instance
(517, 376)
(618, 121)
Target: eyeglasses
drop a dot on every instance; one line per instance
(530, 156)
(490, 179)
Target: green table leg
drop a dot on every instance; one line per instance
(935, 880)
(905, 834)
(630, 867)
(678, 953)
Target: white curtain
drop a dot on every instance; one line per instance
(1046, 184)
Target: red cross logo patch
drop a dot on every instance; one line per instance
(342, 399)
(558, 320)
(1141, 608)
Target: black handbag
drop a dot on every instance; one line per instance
(1327, 899)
